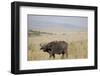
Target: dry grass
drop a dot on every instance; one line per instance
(77, 45)
(78, 49)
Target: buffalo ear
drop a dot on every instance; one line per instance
(40, 44)
(43, 44)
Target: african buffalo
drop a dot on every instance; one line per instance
(55, 47)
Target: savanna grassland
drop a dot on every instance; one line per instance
(77, 44)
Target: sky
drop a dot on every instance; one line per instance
(57, 23)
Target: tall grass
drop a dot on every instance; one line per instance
(76, 50)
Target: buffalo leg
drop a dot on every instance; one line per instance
(50, 52)
(50, 56)
(62, 55)
(54, 56)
